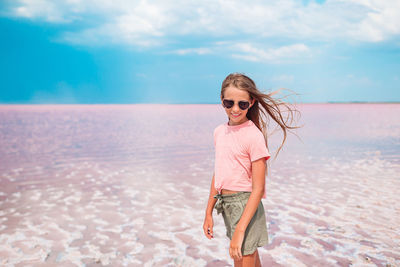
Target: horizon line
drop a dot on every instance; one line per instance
(205, 103)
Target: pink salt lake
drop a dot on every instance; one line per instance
(127, 185)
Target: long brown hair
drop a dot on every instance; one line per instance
(264, 104)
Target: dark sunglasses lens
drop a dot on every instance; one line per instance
(228, 103)
(244, 105)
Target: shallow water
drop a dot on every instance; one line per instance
(127, 185)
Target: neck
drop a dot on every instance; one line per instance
(230, 123)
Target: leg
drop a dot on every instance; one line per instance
(258, 261)
(238, 263)
(248, 260)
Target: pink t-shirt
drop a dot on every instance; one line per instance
(236, 147)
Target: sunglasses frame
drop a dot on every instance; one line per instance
(232, 103)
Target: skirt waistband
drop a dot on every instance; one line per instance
(233, 197)
(229, 198)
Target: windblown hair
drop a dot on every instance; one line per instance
(264, 104)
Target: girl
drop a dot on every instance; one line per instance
(241, 152)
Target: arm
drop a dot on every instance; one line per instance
(258, 185)
(208, 220)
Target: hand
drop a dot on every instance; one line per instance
(208, 226)
(235, 249)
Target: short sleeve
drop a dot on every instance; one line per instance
(257, 148)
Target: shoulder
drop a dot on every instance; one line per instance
(253, 130)
(254, 134)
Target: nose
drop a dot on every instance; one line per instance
(236, 108)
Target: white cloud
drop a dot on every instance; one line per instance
(272, 55)
(198, 51)
(252, 52)
(110, 34)
(143, 23)
(381, 22)
(40, 9)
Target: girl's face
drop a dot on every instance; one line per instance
(235, 113)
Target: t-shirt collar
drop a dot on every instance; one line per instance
(248, 122)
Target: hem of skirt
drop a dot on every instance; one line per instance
(249, 251)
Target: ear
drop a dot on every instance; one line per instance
(252, 102)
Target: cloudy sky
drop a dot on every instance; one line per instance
(164, 51)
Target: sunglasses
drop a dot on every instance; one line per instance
(243, 105)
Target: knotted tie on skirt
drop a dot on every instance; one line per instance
(219, 205)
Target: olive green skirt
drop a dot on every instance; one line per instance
(232, 206)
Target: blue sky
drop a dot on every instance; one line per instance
(180, 51)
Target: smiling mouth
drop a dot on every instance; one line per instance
(235, 115)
